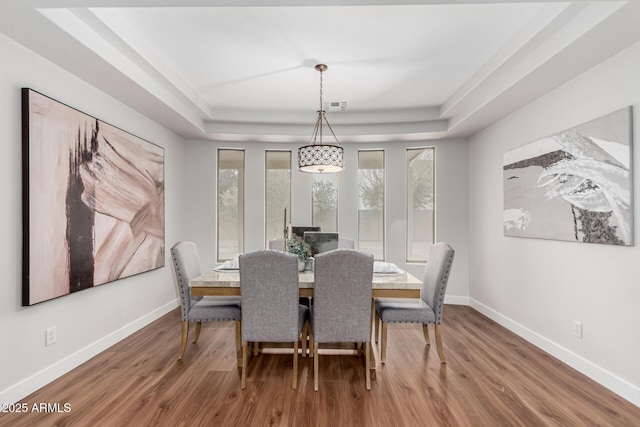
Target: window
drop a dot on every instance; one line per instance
(324, 195)
(371, 203)
(230, 203)
(277, 193)
(420, 203)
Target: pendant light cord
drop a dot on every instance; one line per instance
(321, 106)
(322, 118)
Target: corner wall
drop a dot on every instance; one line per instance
(538, 288)
(91, 320)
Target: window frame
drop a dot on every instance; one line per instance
(289, 207)
(313, 175)
(409, 199)
(384, 199)
(241, 202)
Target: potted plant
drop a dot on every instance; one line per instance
(300, 249)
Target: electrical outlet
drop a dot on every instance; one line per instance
(577, 329)
(50, 336)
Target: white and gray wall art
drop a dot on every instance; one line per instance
(575, 185)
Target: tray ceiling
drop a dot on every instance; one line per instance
(244, 70)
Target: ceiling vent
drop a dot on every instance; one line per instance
(335, 106)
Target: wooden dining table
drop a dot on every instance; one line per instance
(227, 282)
(384, 285)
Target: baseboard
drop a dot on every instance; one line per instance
(38, 380)
(456, 300)
(611, 381)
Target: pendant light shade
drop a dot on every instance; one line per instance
(318, 157)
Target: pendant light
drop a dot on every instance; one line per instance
(317, 156)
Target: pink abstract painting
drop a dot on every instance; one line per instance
(93, 201)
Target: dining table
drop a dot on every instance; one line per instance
(226, 282)
(384, 285)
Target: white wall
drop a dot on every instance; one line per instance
(451, 200)
(539, 287)
(91, 320)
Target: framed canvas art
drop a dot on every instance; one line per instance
(93, 201)
(575, 185)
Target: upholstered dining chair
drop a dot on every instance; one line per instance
(426, 310)
(270, 309)
(341, 310)
(186, 263)
(344, 243)
(277, 243)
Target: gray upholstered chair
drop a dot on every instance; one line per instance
(342, 302)
(344, 243)
(277, 243)
(270, 309)
(426, 310)
(186, 263)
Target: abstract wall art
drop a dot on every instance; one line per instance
(93, 201)
(575, 185)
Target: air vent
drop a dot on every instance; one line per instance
(335, 106)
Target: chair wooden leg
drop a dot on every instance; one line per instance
(310, 342)
(367, 365)
(425, 332)
(295, 365)
(197, 334)
(373, 316)
(256, 348)
(305, 334)
(183, 342)
(372, 361)
(439, 344)
(239, 343)
(383, 343)
(238, 335)
(359, 349)
(243, 382)
(377, 326)
(315, 366)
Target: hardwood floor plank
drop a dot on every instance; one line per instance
(492, 378)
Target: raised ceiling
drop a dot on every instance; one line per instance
(244, 70)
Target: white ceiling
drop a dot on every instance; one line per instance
(240, 70)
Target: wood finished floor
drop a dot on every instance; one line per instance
(492, 378)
